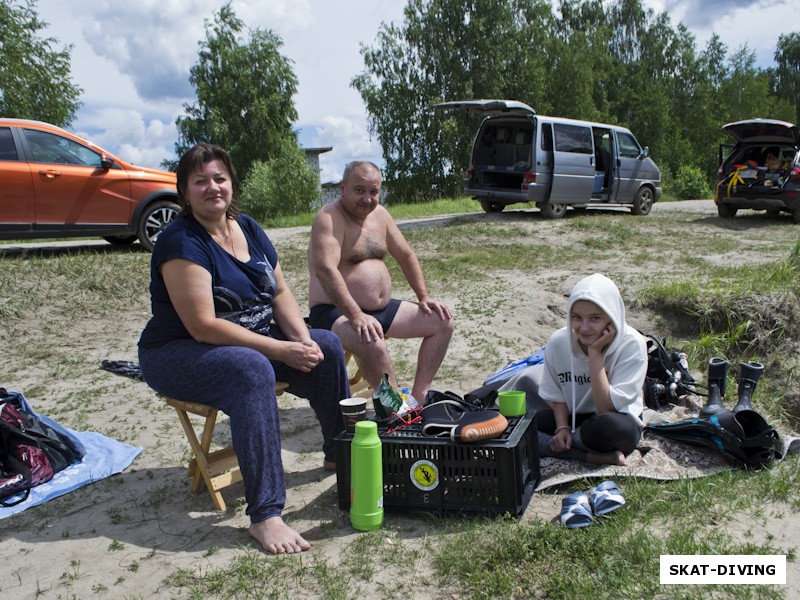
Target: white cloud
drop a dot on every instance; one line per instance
(756, 23)
(133, 59)
(153, 43)
(707, 14)
(349, 135)
(293, 16)
(350, 141)
(126, 134)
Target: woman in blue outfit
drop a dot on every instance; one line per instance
(226, 327)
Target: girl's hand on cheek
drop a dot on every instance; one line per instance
(605, 338)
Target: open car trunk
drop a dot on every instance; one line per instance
(747, 175)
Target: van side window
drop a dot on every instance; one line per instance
(573, 138)
(628, 146)
(7, 149)
(547, 137)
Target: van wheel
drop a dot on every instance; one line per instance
(492, 207)
(796, 214)
(552, 211)
(725, 211)
(643, 202)
(153, 221)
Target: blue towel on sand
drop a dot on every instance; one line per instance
(104, 457)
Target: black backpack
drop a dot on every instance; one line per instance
(31, 451)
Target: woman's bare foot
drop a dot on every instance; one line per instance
(277, 537)
(607, 458)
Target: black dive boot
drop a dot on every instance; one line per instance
(749, 374)
(717, 378)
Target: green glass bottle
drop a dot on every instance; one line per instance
(366, 478)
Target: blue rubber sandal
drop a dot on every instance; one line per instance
(576, 511)
(605, 498)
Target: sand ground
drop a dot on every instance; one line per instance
(123, 537)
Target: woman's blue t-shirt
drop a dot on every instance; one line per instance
(243, 291)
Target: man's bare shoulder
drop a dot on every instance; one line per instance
(381, 215)
(326, 218)
(328, 210)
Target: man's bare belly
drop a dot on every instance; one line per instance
(368, 282)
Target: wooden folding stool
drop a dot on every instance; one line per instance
(218, 468)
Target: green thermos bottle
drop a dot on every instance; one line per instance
(366, 478)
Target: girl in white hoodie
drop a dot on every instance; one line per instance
(594, 370)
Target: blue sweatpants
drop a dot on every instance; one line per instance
(240, 382)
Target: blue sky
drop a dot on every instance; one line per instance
(133, 58)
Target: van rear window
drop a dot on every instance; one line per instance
(573, 138)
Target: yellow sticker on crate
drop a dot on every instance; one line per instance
(425, 475)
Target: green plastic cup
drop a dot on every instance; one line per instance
(512, 403)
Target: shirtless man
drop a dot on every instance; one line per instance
(350, 287)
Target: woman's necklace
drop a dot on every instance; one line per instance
(228, 240)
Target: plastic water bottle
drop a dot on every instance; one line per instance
(409, 399)
(366, 478)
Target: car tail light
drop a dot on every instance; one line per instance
(529, 177)
(795, 174)
(470, 172)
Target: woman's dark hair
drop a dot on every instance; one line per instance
(774, 150)
(192, 160)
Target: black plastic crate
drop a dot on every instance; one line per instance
(422, 473)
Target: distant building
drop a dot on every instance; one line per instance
(312, 156)
(329, 191)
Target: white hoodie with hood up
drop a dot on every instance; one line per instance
(566, 368)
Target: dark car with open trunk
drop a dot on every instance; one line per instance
(761, 171)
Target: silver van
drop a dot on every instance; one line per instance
(519, 156)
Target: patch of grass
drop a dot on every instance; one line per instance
(737, 309)
(254, 575)
(742, 313)
(617, 557)
(444, 206)
(73, 280)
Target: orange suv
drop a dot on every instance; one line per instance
(56, 184)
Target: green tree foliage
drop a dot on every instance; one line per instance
(700, 112)
(245, 94)
(35, 78)
(446, 49)
(690, 184)
(746, 91)
(786, 75)
(282, 185)
(616, 62)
